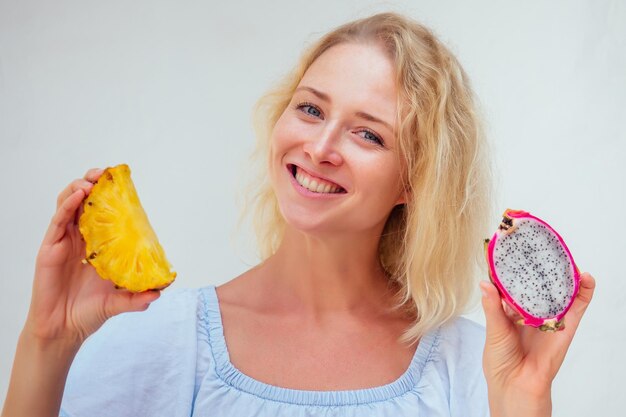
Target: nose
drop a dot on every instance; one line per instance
(325, 146)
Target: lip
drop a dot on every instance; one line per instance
(305, 191)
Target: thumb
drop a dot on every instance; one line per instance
(126, 301)
(587, 287)
(498, 323)
(581, 302)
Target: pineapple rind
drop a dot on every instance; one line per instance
(120, 242)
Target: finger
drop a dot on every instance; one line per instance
(78, 213)
(79, 184)
(498, 324)
(560, 342)
(582, 300)
(91, 177)
(513, 315)
(93, 174)
(63, 216)
(585, 293)
(125, 301)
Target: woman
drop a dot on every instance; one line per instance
(369, 227)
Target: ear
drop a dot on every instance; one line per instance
(403, 197)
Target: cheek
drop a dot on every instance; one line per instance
(277, 142)
(387, 185)
(284, 139)
(287, 133)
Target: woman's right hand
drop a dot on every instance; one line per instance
(69, 300)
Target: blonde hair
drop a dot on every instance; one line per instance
(431, 245)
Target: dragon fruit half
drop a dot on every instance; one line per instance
(532, 268)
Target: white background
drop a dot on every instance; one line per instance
(168, 86)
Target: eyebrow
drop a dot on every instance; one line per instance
(361, 114)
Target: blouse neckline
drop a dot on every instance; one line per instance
(212, 319)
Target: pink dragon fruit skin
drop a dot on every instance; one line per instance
(533, 269)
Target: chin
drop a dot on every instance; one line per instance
(307, 222)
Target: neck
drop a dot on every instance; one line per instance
(316, 275)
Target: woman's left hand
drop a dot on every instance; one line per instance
(520, 362)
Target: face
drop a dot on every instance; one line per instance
(332, 161)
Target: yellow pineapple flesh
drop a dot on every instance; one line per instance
(120, 242)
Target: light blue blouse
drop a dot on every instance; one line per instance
(172, 361)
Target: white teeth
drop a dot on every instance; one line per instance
(317, 186)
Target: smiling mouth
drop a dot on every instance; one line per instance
(314, 184)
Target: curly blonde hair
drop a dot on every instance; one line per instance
(431, 246)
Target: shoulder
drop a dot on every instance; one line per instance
(457, 362)
(167, 326)
(460, 344)
(462, 332)
(172, 314)
(130, 356)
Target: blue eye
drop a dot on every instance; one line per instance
(313, 110)
(372, 137)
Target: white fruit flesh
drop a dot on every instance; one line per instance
(535, 269)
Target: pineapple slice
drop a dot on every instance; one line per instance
(121, 244)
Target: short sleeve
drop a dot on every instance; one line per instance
(138, 364)
(460, 350)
